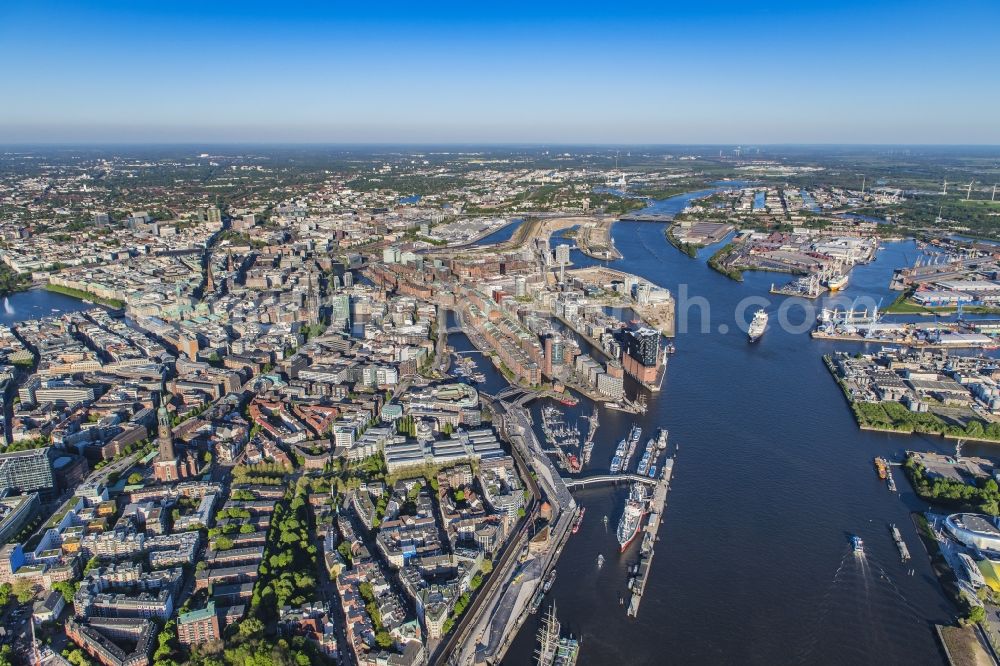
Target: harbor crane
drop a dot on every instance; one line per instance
(871, 329)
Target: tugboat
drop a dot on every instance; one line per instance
(758, 325)
(858, 545)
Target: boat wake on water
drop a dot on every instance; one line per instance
(863, 590)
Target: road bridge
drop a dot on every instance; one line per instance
(516, 396)
(648, 217)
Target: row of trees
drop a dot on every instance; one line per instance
(983, 496)
(271, 474)
(11, 281)
(286, 578)
(287, 570)
(26, 444)
(382, 636)
(407, 426)
(896, 417)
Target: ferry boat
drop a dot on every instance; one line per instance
(579, 520)
(618, 460)
(549, 580)
(633, 442)
(635, 509)
(857, 544)
(758, 325)
(634, 434)
(536, 602)
(643, 467)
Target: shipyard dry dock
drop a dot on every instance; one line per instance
(656, 505)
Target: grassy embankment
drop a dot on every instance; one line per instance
(85, 295)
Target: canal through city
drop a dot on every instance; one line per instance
(753, 563)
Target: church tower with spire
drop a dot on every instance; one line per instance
(164, 434)
(166, 467)
(209, 278)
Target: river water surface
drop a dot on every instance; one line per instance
(754, 564)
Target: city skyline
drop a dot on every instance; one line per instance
(778, 72)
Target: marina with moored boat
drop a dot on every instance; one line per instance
(656, 505)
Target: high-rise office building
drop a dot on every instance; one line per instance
(340, 312)
(214, 215)
(520, 286)
(27, 471)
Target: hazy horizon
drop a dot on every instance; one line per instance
(720, 73)
(484, 144)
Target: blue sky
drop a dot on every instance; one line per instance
(668, 72)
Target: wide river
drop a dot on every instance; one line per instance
(754, 564)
